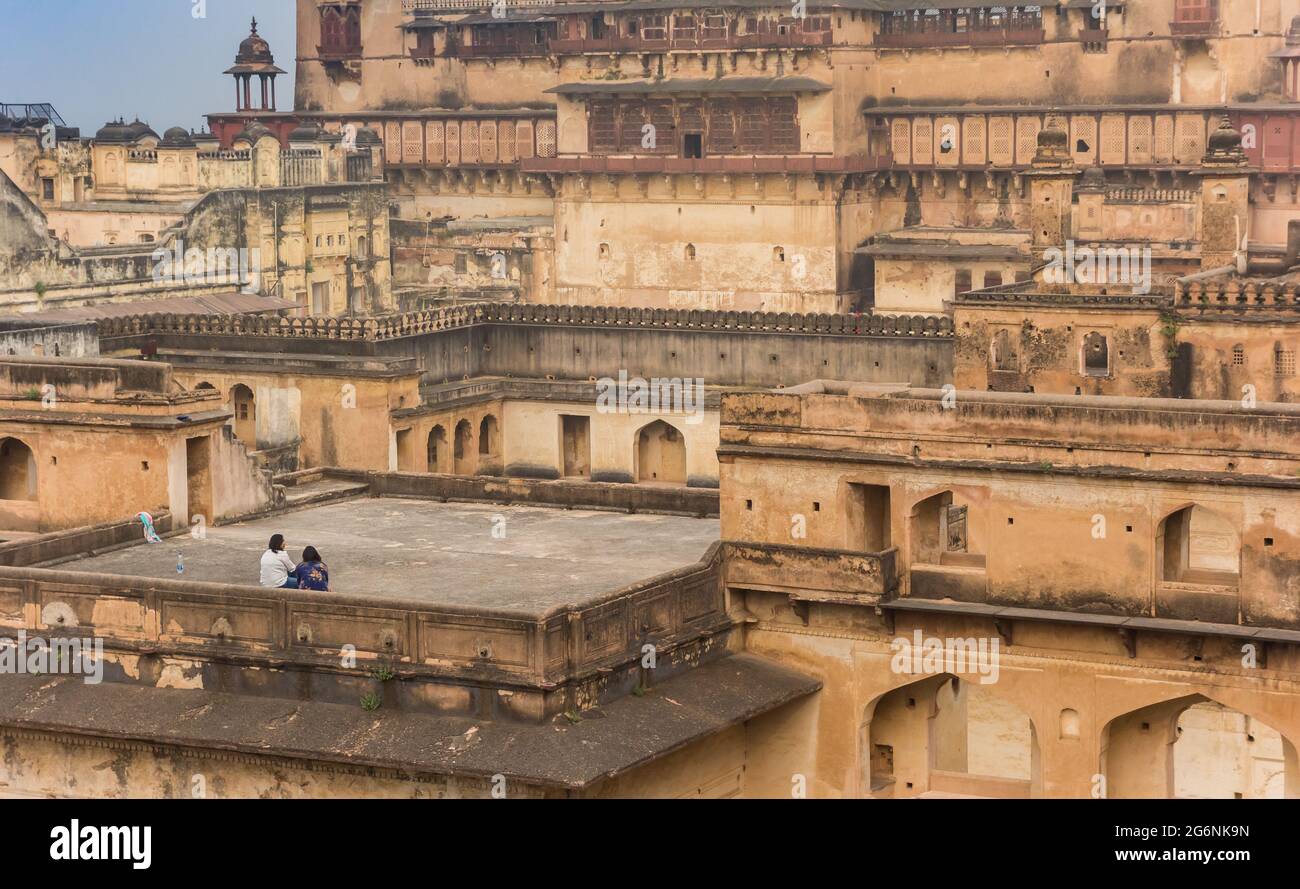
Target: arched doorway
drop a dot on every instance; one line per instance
(463, 456)
(17, 470)
(948, 735)
(1194, 747)
(1197, 546)
(1096, 355)
(946, 531)
(244, 406)
(437, 450)
(661, 454)
(489, 445)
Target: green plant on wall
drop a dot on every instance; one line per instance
(1170, 324)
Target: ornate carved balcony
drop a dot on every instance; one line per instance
(790, 40)
(939, 39)
(726, 164)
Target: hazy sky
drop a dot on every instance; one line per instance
(99, 59)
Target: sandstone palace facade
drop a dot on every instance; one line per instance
(865, 399)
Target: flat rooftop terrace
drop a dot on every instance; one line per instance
(443, 553)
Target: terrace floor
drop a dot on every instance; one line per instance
(445, 553)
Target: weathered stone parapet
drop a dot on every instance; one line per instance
(1236, 294)
(418, 323)
(447, 658)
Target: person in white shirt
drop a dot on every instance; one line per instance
(278, 570)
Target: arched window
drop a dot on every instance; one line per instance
(778, 254)
(1193, 747)
(1283, 361)
(1198, 547)
(437, 449)
(244, 406)
(661, 454)
(941, 533)
(1096, 356)
(1005, 356)
(17, 470)
(689, 252)
(463, 449)
(489, 438)
(949, 728)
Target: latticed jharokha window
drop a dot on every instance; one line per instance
(961, 282)
(751, 125)
(962, 20)
(1196, 12)
(714, 27)
(340, 29)
(1284, 363)
(654, 27)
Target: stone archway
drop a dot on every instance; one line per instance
(660, 454)
(463, 449)
(17, 470)
(948, 735)
(436, 450)
(244, 405)
(1196, 747)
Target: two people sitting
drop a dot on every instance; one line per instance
(278, 570)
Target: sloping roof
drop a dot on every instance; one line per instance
(631, 730)
(787, 84)
(942, 250)
(234, 303)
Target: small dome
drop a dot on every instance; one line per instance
(114, 131)
(177, 137)
(367, 137)
(138, 129)
(307, 132)
(1053, 135)
(253, 133)
(1225, 139)
(254, 50)
(1093, 179)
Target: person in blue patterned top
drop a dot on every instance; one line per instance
(312, 573)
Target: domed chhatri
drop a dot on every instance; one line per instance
(1289, 58)
(114, 131)
(367, 137)
(1053, 133)
(307, 132)
(138, 130)
(1093, 180)
(177, 137)
(254, 133)
(1224, 145)
(1226, 137)
(1053, 144)
(254, 50)
(125, 133)
(254, 59)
